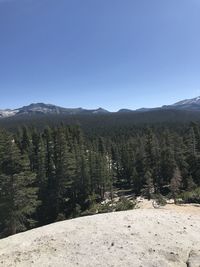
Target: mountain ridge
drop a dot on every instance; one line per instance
(42, 108)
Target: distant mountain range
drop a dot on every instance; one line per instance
(41, 108)
(187, 105)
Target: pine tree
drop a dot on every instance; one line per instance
(65, 167)
(49, 212)
(167, 160)
(18, 195)
(175, 184)
(82, 174)
(25, 145)
(41, 181)
(149, 188)
(136, 181)
(152, 156)
(190, 183)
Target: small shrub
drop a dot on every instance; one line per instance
(60, 217)
(91, 211)
(160, 199)
(111, 206)
(192, 196)
(125, 204)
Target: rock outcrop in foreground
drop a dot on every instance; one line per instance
(138, 238)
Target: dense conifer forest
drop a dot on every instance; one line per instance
(59, 172)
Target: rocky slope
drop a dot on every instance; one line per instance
(140, 238)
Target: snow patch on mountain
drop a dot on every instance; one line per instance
(42, 108)
(7, 113)
(195, 100)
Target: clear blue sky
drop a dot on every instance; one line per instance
(91, 53)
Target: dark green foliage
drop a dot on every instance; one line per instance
(125, 204)
(159, 200)
(175, 183)
(191, 196)
(149, 188)
(121, 204)
(63, 172)
(18, 193)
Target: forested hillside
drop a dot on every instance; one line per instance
(102, 123)
(61, 171)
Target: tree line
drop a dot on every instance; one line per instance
(57, 173)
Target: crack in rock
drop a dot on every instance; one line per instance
(193, 259)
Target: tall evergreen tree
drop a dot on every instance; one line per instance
(18, 194)
(175, 184)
